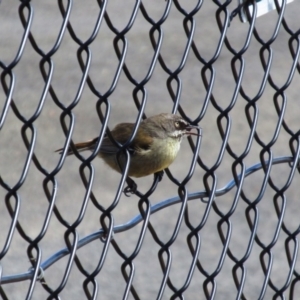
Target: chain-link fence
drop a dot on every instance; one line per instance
(224, 221)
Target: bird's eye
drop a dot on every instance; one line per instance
(177, 125)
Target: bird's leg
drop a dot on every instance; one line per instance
(131, 187)
(159, 175)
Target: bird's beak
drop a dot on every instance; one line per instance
(190, 127)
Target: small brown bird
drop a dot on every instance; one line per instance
(153, 149)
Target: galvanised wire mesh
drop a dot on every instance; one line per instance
(224, 221)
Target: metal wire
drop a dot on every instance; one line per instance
(226, 152)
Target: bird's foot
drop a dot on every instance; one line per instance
(131, 187)
(159, 175)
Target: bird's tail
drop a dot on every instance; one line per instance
(89, 145)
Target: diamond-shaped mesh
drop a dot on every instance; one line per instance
(224, 221)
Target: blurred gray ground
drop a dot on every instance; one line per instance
(67, 74)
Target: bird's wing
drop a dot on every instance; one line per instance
(121, 133)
